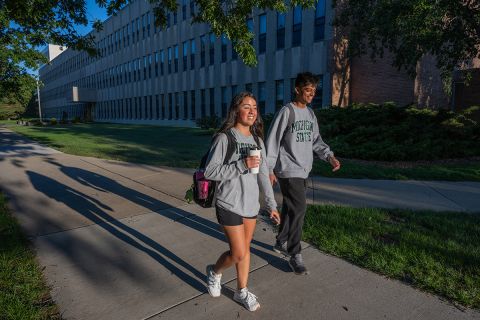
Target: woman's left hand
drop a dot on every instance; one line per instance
(275, 216)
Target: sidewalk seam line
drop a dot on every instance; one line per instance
(198, 295)
(453, 201)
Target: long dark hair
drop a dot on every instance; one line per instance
(231, 119)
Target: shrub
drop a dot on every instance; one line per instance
(53, 121)
(209, 122)
(389, 133)
(76, 119)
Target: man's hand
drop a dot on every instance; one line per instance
(272, 178)
(275, 216)
(334, 162)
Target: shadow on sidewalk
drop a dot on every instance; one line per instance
(94, 210)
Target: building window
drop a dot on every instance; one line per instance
(261, 97)
(297, 27)
(280, 30)
(234, 90)
(279, 94)
(248, 87)
(162, 62)
(148, 24)
(192, 54)
(203, 44)
(319, 26)
(144, 26)
(250, 28)
(157, 61)
(145, 63)
(176, 58)
(185, 52)
(317, 100)
(169, 60)
(177, 106)
(262, 36)
(212, 101)
(133, 31)
(192, 8)
(185, 105)
(234, 53)
(145, 108)
(170, 106)
(224, 102)
(162, 102)
(138, 29)
(202, 103)
(175, 17)
(151, 107)
(224, 48)
(184, 9)
(192, 105)
(211, 48)
(157, 106)
(149, 66)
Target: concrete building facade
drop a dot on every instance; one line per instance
(184, 72)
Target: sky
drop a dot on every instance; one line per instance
(94, 12)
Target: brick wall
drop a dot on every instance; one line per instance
(467, 95)
(378, 82)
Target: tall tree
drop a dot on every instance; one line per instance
(449, 30)
(29, 24)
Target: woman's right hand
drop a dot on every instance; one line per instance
(252, 162)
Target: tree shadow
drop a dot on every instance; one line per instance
(94, 210)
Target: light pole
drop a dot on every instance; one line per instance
(38, 98)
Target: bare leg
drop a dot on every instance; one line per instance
(236, 240)
(243, 266)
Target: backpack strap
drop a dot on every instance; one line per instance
(231, 146)
(257, 140)
(291, 119)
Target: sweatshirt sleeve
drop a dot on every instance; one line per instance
(320, 148)
(264, 181)
(215, 169)
(275, 136)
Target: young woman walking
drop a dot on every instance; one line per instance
(237, 198)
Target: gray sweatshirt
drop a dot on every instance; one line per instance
(290, 146)
(238, 190)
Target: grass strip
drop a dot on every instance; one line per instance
(184, 147)
(438, 252)
(24, 294)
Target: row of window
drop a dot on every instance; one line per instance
(182, 105)
(113, 42)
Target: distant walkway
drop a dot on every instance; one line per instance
(115, 240)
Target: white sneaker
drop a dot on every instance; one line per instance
(213, 282)
(248, 299)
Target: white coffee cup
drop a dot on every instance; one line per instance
(255, 152)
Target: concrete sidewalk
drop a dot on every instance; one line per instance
(117, 241)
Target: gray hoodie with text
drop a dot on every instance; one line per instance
(290, 147)
(238, 190)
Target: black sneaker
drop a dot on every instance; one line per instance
(297, 265)
(281, 247)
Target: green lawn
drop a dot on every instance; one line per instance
(438, 252)
(170, 146)
(24, 294)
(184, 147)
(469, 171)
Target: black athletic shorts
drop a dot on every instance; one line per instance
(228, 218)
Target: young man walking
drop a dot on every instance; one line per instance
(293, 138)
